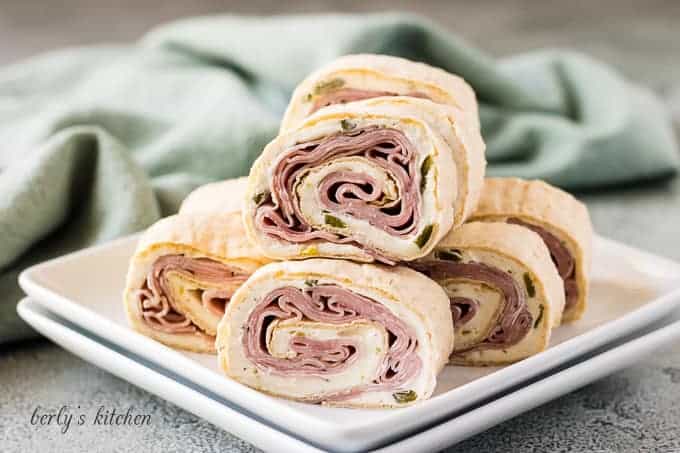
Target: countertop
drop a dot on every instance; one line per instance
(633, 410)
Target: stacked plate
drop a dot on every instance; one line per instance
(632, 312)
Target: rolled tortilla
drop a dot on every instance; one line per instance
(505, 294)
(216, 197)
(559, 218)
(354, 78)
(382, 179)
(337, 333)
(182, 275)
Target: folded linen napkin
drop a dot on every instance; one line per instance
(99, 142)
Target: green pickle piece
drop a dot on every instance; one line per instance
(424, 237)
(328, 85)
(405, 396)
(424, 170)
(540, 316)
(531, 290)
(449, 255)
(347, 125)
(259, 198)
(334, 221)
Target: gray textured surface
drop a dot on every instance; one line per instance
(634, 410)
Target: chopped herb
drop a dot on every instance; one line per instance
(378, 350)
(424, 170)
(449, 255)
(259, 198)
(531, 291)
(424, 237)
(334, 221)
(540, 316)
(405, 396)
(328, 85)
(347, 125)
(312, 282)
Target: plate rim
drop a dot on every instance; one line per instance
(447, 432)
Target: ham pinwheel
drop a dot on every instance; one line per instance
(358, 77)
(562, 222)
(183, 274)
(505, 293)
(337, 333)
(383, 179)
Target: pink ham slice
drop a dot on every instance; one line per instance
(562, 258)
(156, 304)
(346, 95)
(514, 321)
(463, 309)
(346, 192)
(334, 305)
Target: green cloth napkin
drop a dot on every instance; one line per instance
(100, 142)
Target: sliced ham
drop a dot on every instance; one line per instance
(346, 192)
(561, 256)
(463, 309)
(157, 306)
(335, 305)
(514, 321)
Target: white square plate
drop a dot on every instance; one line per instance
(216, 410)
(630, 289)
